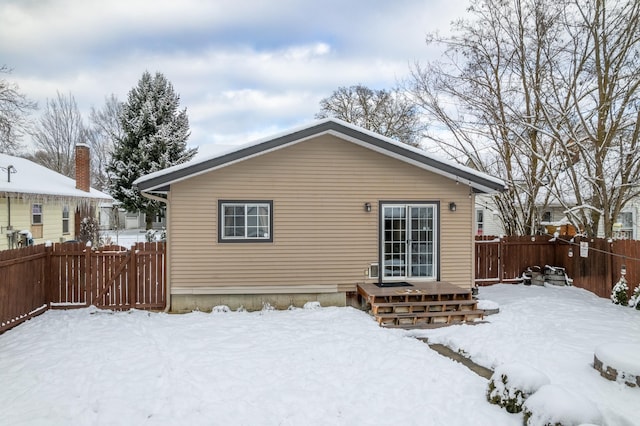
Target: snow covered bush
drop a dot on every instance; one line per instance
(312, 305)
(153, 235)
(105, 240)
(552, 405)
(512, 384)
(634, 301)
(220, 309)
(619, 294)
(266, 306)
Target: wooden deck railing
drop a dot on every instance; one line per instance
(33, 279)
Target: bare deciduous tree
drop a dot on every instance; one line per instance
(597, 93)
(545, 95)
(104, 131)
(13, 108)
(389, 113)
(59, 129)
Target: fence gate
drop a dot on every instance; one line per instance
(111, 277)
(488, 260)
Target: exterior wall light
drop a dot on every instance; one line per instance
(367, 207)
(452, 206)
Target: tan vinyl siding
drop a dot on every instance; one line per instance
(322, 235)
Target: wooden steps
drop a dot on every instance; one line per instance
(424, 305)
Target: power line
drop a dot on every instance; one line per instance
(573, 243)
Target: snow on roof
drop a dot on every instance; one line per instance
(160, 180)
(25, 178)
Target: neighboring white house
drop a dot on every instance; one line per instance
(553, 216)
(38, 204)
(113, 216)
(487, 217)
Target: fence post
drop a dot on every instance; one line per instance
(47, 275)
(86, 277)
(132, 277)
(500, 259)
(611, 265)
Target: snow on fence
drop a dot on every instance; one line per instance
(504, 259)
(34, 279)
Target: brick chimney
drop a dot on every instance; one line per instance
(83, 174)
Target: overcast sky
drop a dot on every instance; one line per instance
(243, 69)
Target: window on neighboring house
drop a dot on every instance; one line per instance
(36, 214)
(479, 222)
(546, 217)
(624, 226)
(65, 219)
(245, 221)
(160, 215)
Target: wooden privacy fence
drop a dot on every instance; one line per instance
(37, 278)
(505, 259)
(23, 288)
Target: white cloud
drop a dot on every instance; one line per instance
(241, 68)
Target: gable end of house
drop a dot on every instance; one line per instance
(160, 182)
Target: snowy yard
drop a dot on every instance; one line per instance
(303, 366)
(125, 237)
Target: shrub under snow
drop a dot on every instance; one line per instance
(634, 301)
(512, 384)
(619, 294)
(553, 405)
(312, 305)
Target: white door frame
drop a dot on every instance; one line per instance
(398, 258)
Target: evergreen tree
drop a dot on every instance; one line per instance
(619, 294)
(154, 137)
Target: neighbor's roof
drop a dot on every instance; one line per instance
(161, 181)
(28, 179)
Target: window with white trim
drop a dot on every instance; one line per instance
(623, 228)
(245, 221)
(479, 221)
(36, 214)
(65, 219)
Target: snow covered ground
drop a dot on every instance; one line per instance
(555, 330)
(125, 237)
(302, 366)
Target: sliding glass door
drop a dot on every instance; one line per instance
(409, 241)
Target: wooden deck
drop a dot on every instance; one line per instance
(423, 305)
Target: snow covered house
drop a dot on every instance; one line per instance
(553, 218)
(38, 204)
(312, 213)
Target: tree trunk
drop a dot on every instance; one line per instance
(148, 217)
